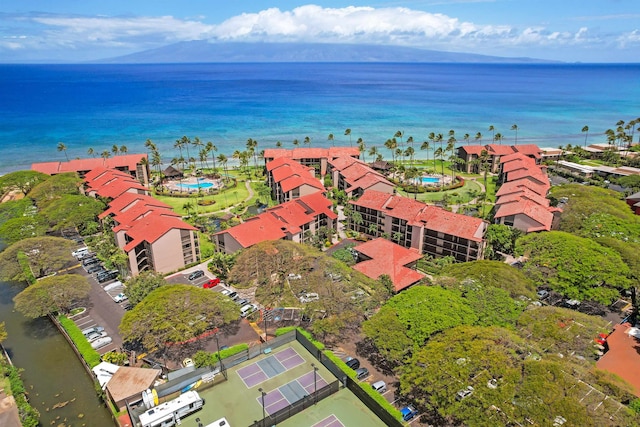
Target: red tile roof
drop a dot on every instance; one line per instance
(152, 227)
(499, 150)
(532, 174)
(390, 259)
(282, 220)
(339, 163)
(530, 209)
(128, 200)
(529, 150)
(311, 152)
(139, 211)
(119, 186)
(517, 185)
(623, 357)
(473, 149)
(291, 174)
(421, 214)
(523, 193)
(129, 161)
(368, 181)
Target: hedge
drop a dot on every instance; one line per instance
(90, 356)
(29, 416)
(233, 350)
(343, 366)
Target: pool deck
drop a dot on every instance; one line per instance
(190, 185)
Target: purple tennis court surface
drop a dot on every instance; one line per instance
(330, 421)
(269, 367)
(291, 392)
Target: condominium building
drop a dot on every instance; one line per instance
(135, 165)
(316, 158)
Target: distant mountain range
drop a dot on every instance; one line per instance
(203, 51)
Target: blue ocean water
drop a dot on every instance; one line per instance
(96, 106)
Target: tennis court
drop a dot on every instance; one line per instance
(269, 367)
(330, 421)
(291, 392)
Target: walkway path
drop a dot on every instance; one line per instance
(247, 184)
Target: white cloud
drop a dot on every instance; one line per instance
(310, 23)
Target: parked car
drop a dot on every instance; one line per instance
(293, 276)
(352, 362)
(379, 386)
(248, 309)
(464, 393)
(107, 275)
(242, 302)
(113, 285)
(408, 412)
(95, 269)
(309, 297)
(196, 274)
(543, 293)
(95, 335)
(101, 342)
(90, 261)
(211, 283)
(120, 297)
(225, 292)
(362, 373)
(188, 362)
(80, 251)
(233, 295)
(87, 331)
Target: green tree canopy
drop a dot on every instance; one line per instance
(23, 180)
(500, 239)
(53, 294)
(15, 208)
(510, 387)
(415, 315)
(629, 252)
(85, 210)
(55, 187)
(176, 313)
(23, 227)
(141, 285)
(44, 255)
(574, 266)
(3, 333)
(221, 264)
(493, 273)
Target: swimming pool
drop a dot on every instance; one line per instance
(202, 185)
(429, 179)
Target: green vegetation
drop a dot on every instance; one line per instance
(29, 416)
(89, 355)
(85, 211)
(204, 358)
(176, 313)
(23, 181)
(138, 287)
(53, 294)
(574, 266)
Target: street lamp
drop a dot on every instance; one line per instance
(315, 384)
(224, 373)
(263, 413)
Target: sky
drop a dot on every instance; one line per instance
(82, 30)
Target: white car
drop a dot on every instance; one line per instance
(120, 297)
(101, 342)
(248, 309)
(91, 330)
(95, 336)
(113, 285)
(293, 276)
(309, 297)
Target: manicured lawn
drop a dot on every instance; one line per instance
(458, 195)
(225, 199)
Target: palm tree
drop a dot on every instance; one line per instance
(391, 145)
(373, 152)
(478, 137)
(91, 152)
(62, 147)
(185, 143)
(222, 159)
(362, 148)
(399, 134)
(115, 149)
(123, 149)
(466, 137)
(178, 144)
(307, 141)
(348, 132)
(105, 154)
(439, 153)
(515, 127)
(409, 152)
(330, 138)
(252, 144)
(585, 130)
(202, 156)
(296, 142)
(278, 144)
(426, 146)
(498, 138)
(493, 135)
(211, 148)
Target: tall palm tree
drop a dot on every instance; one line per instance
(186, 142)
(409, 152)
(498, 138)
(466, 137)
(91, 152)
(222, 159)
(115, 149)
(493, 130)
(437, 139)
(62, 147)
(362, 147)
(278, 144)
(105, 154)
(178, 144)
(123, 149)
(400, 134)
(373, 151)
(426, 146)
(478, 137)
(348, 132)
(296, 142)
(439, 153)
(203, 155)
(330, 139)
(307, 141)
(252, 144)
(585, 130)
(211, 148)
(515, 127)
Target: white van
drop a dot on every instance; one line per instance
(80, 251)
(248, 309)
(379, 386)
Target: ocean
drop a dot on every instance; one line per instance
(97, 106)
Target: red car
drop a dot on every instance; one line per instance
(211, 283)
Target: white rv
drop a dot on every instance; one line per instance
(169, 413)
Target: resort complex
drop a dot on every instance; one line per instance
(337, 292)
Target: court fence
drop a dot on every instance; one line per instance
(257, 350)
(298, 406)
